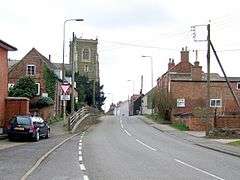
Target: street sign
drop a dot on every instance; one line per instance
(65, 88)
(65, 97)
(180, 102)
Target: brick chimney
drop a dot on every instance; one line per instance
(184, 55)
(196, 72)
(171, 63)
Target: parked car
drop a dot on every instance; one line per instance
(27, 126)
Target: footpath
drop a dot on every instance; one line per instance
(56, 129)
(196, 138)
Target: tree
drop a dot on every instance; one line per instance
(25, 87)
(50, 81)
(163, 103)
(84, 88)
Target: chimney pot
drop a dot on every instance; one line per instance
(49, 57)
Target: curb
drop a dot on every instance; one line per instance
(218, 150)
(40, 160)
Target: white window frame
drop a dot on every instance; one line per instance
(215, 100)
(32, 65)
(238, 83)
(38, 89)
(89, 57)
(10, 85)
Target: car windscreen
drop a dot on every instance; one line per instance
(23, 121)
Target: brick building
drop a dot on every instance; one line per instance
(32, 64)
(187, 83)
(4, 48)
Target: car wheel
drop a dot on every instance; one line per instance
(47, 134)
(37, 136)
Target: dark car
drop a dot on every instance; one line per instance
(28, 127)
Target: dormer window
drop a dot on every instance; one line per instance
(86, 54)
(31, 70)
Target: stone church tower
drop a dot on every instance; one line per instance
(86, 58)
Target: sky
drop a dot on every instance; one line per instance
(126, 30)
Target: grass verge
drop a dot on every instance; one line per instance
(181, 127)
(55, 119)
(235, 143)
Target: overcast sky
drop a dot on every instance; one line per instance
(126, 29)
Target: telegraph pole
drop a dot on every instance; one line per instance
(73, 71)
(208, 74)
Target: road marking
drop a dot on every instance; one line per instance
(85, 177)
(80, 152)
(127, 132)
(80, 144)
(205, 172)
(80, 158)
(149, 147)
(40, 160)
(80, 140)
(82, 167)
(80, 147)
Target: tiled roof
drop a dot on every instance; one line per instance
(7, 46)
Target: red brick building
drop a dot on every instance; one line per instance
(4, 48)
(32, 64)
(187, 84)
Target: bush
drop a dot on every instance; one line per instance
(42, 102)
(180, 126)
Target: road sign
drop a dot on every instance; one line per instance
(65, 88)
(65, 97)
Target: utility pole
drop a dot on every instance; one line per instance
(208, 74)
(94, 93)
(73, 71)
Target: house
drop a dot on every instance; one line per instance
(4, 48)
(122, 108)
(135, 104)
(147, 102)
(187, 84)
(33, 64)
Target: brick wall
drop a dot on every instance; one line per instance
(16, 106)
(3, 83)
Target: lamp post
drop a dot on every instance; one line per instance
(63, 68)
(151, 76)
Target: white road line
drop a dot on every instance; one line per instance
(149, 147)
(205, 172)
(127, 132)
(80, 147)
(80, 152)
(82, 167)
(85, 177)
(80, 158)
(80, 140)
(80, 144)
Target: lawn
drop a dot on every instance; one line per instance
(235, 143)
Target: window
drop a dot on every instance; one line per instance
(38, 89)
(238, 85)
(31, 69)
(86, 68)
(215, 103)
(86, 54)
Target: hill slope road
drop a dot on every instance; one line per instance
(126, 148)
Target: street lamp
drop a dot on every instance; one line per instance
(63, 68)
(151, 77)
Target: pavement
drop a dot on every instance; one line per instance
(197, 137)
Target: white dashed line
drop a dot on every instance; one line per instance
(80, 158)
(205, 172)
(80, 152)
(80, 144)
(85, 177)
(82, 167)
(80, 147)
(127, 132)
(149, 147)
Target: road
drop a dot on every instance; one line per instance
(122, 148)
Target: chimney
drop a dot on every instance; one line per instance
(171, 63)
(196, 72)
(184, 55)
(49, 57)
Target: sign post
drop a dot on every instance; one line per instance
(65, 86)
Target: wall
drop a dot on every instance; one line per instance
(16, 106)
(3, 83)
(195, 95)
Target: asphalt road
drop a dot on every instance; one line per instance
(126, 148)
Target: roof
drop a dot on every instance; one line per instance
(11, 63)
(7, 46)
(41, 57)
